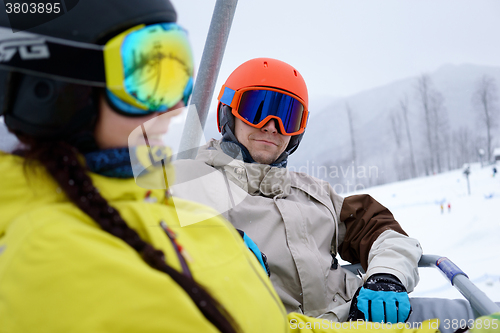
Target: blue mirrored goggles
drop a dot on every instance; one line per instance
(257, 105)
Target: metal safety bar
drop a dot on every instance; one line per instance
(478, 300)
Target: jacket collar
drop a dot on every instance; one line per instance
(34, 187)
(254, 178)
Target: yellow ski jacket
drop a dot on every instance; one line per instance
(60, 272)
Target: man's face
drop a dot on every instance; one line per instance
(264, 144)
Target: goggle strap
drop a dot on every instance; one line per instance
(227, 96)
(79, 63)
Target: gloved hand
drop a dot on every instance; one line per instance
(383, 298)
(261, 257)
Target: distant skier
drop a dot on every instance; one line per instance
(449, 207)
(442, 208)
(494, 171)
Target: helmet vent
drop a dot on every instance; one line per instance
(265, 64)
(42, 90)
(295, 72)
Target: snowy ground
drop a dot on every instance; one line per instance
(469, 234)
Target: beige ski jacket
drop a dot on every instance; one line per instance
(301, 224)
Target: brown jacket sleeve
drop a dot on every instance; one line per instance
(365, 219)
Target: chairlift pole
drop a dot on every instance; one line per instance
(211, 60)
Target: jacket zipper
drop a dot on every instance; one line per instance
(181, 252)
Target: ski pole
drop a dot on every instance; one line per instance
(211, 60)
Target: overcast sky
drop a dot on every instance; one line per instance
(342, 47)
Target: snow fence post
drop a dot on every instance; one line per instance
(211, 60)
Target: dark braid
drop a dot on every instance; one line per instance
(61, 161)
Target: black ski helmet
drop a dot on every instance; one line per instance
(50, 107)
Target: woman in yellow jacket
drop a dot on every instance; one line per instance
(83, 248)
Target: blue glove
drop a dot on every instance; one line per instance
(261, 257)
(383, 298)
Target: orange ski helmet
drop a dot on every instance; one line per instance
(265, 75)
(270, 75)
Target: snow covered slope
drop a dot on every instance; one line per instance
(469, 234)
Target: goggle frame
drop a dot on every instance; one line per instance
(234, 96)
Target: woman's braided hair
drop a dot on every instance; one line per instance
(61, 161)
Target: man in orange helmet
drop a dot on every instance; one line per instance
(298, 221)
